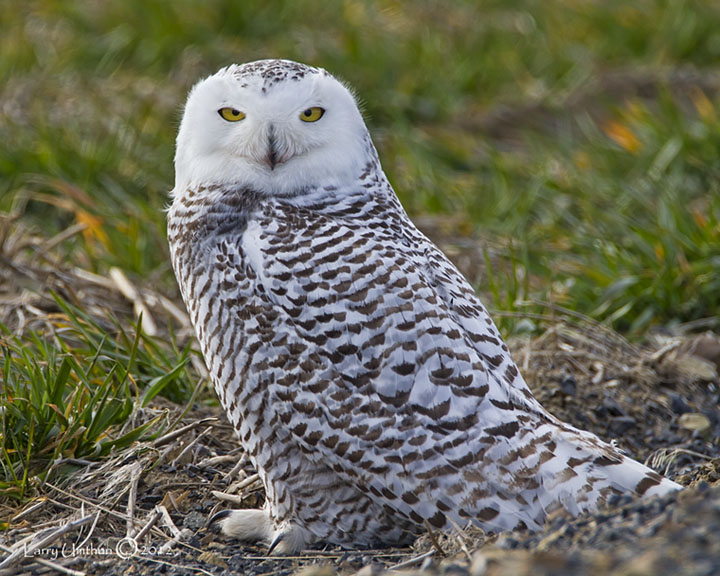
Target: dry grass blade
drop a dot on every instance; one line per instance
(30, 509)
(232, 498)
(120, 479)
(462, 538)
(433, 539)
(191, 444)
(93, 278)
(59, 238)
(132, 498)
(178, 535)
(44, 562)
(19, 553)
(90, 532)
(215, 460)
(153, 517)
(87, 502)
(130, 292)
(249, 484)
(167, 520)
(242, 484)
(663, 458)
(170, 436)
(413, 561)
(230, 476)
(175, 311)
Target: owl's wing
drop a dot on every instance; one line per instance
(382, 366)
(473, 318)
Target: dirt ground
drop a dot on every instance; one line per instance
(659, 401)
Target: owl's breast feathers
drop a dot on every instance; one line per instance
(337, 322)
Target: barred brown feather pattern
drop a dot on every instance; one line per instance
(363, 376)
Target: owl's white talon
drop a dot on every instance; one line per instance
(279, 538)
(289, 539)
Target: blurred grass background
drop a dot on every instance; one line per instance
(575, 143)
(583, 133)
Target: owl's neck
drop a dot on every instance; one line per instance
(215, 208)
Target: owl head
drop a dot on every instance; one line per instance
(272, 126)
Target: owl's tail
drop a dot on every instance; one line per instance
(632, 476)
(591, 470)
(557, 466)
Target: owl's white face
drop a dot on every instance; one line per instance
(272, 126)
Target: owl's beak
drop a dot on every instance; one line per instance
(272, 158)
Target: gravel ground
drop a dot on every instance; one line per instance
(660, 404)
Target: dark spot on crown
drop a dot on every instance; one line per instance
(273, 72)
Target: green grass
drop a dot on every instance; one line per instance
(615, 201)
(69, 398)
(599, 188)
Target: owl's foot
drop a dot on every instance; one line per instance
(247, 525)
(253, 525)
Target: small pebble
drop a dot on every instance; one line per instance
(694, 421)
(372, 569)
(455, 570)
(194, 520)
(621, 424)
(568, 386)
(678, 404)
(317, 570)
(609, 407)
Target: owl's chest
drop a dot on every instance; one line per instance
(222, 291)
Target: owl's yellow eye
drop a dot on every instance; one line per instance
(231, 114)
(312, 114)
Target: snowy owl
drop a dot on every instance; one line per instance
(363, 376)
